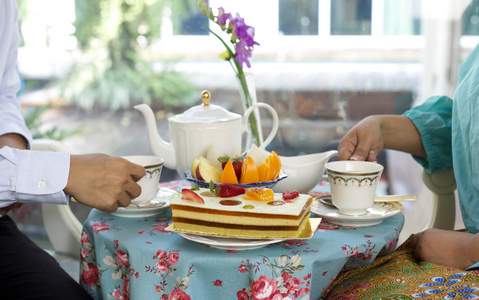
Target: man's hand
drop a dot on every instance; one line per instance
(103, 182)
(13, 207)
(448, 248)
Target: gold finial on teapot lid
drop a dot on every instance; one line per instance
(205, 97)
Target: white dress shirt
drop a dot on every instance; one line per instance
(25, 175)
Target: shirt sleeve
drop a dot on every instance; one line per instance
(11, 119)
(433, 120)
(28, 176)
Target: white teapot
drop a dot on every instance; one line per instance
(198, 128)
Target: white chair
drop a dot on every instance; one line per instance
(62, 226)
(437, 204)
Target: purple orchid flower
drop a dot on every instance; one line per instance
(246, 33)
(223, 17)
(243, 53)
(236, 22)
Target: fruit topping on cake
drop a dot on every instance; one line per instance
(288, 195)
(226, 190)
(187, 194)
(259, 194)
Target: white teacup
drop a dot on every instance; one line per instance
(353, 185)
(149, 183)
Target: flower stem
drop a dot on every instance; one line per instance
(248, 102)
(247, 97)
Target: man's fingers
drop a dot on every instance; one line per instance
(133, 189)
(124, 200)
(136, 171)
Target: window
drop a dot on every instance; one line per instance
(298, 17)
(351, 17)
(188, 19)
(402, 17)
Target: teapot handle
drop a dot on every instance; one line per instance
(274, 129)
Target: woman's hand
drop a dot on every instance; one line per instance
(372, 134)
(448, 248)
(363, 141)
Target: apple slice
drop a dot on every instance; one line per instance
(212, 155)
(193, 168)
(206, 171)
(256, 154)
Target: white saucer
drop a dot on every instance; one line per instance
(151, 208)
(226, 243)
(376, 214)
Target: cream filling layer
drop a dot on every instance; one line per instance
(243, 220)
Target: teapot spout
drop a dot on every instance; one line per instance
(304, 171)
(157, 145)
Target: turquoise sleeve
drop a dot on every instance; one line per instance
(473, 267)
(433, 121)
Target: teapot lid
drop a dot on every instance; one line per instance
(205, 113)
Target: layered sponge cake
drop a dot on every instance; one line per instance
(241, 216)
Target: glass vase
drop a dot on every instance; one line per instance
(247, 91)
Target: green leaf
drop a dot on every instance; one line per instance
(223, 159)
(212, 186)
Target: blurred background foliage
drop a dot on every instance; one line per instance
(111, 67)
(33, 121)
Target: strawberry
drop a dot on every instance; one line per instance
(237, 163)
(187, 194)
(288, 195)
(226, 190)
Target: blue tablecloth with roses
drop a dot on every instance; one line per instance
(136, 258)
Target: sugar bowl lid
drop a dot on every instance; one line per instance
(205, 113)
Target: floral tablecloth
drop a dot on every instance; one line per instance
(136, 258)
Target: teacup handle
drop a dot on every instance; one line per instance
(275, 122)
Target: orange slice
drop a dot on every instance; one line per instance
(259, 194)
(277, 162)
(229, 175)
(263, 170)
(249, 172)
(272, 168)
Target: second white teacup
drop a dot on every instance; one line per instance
(353, 185)
(149, 183)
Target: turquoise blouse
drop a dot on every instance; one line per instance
(450, 134)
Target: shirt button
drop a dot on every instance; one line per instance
(41, 184)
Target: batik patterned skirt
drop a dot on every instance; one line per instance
(400, 276)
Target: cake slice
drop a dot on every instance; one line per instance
(240, 216)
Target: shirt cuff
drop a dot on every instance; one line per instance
(42, 176)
